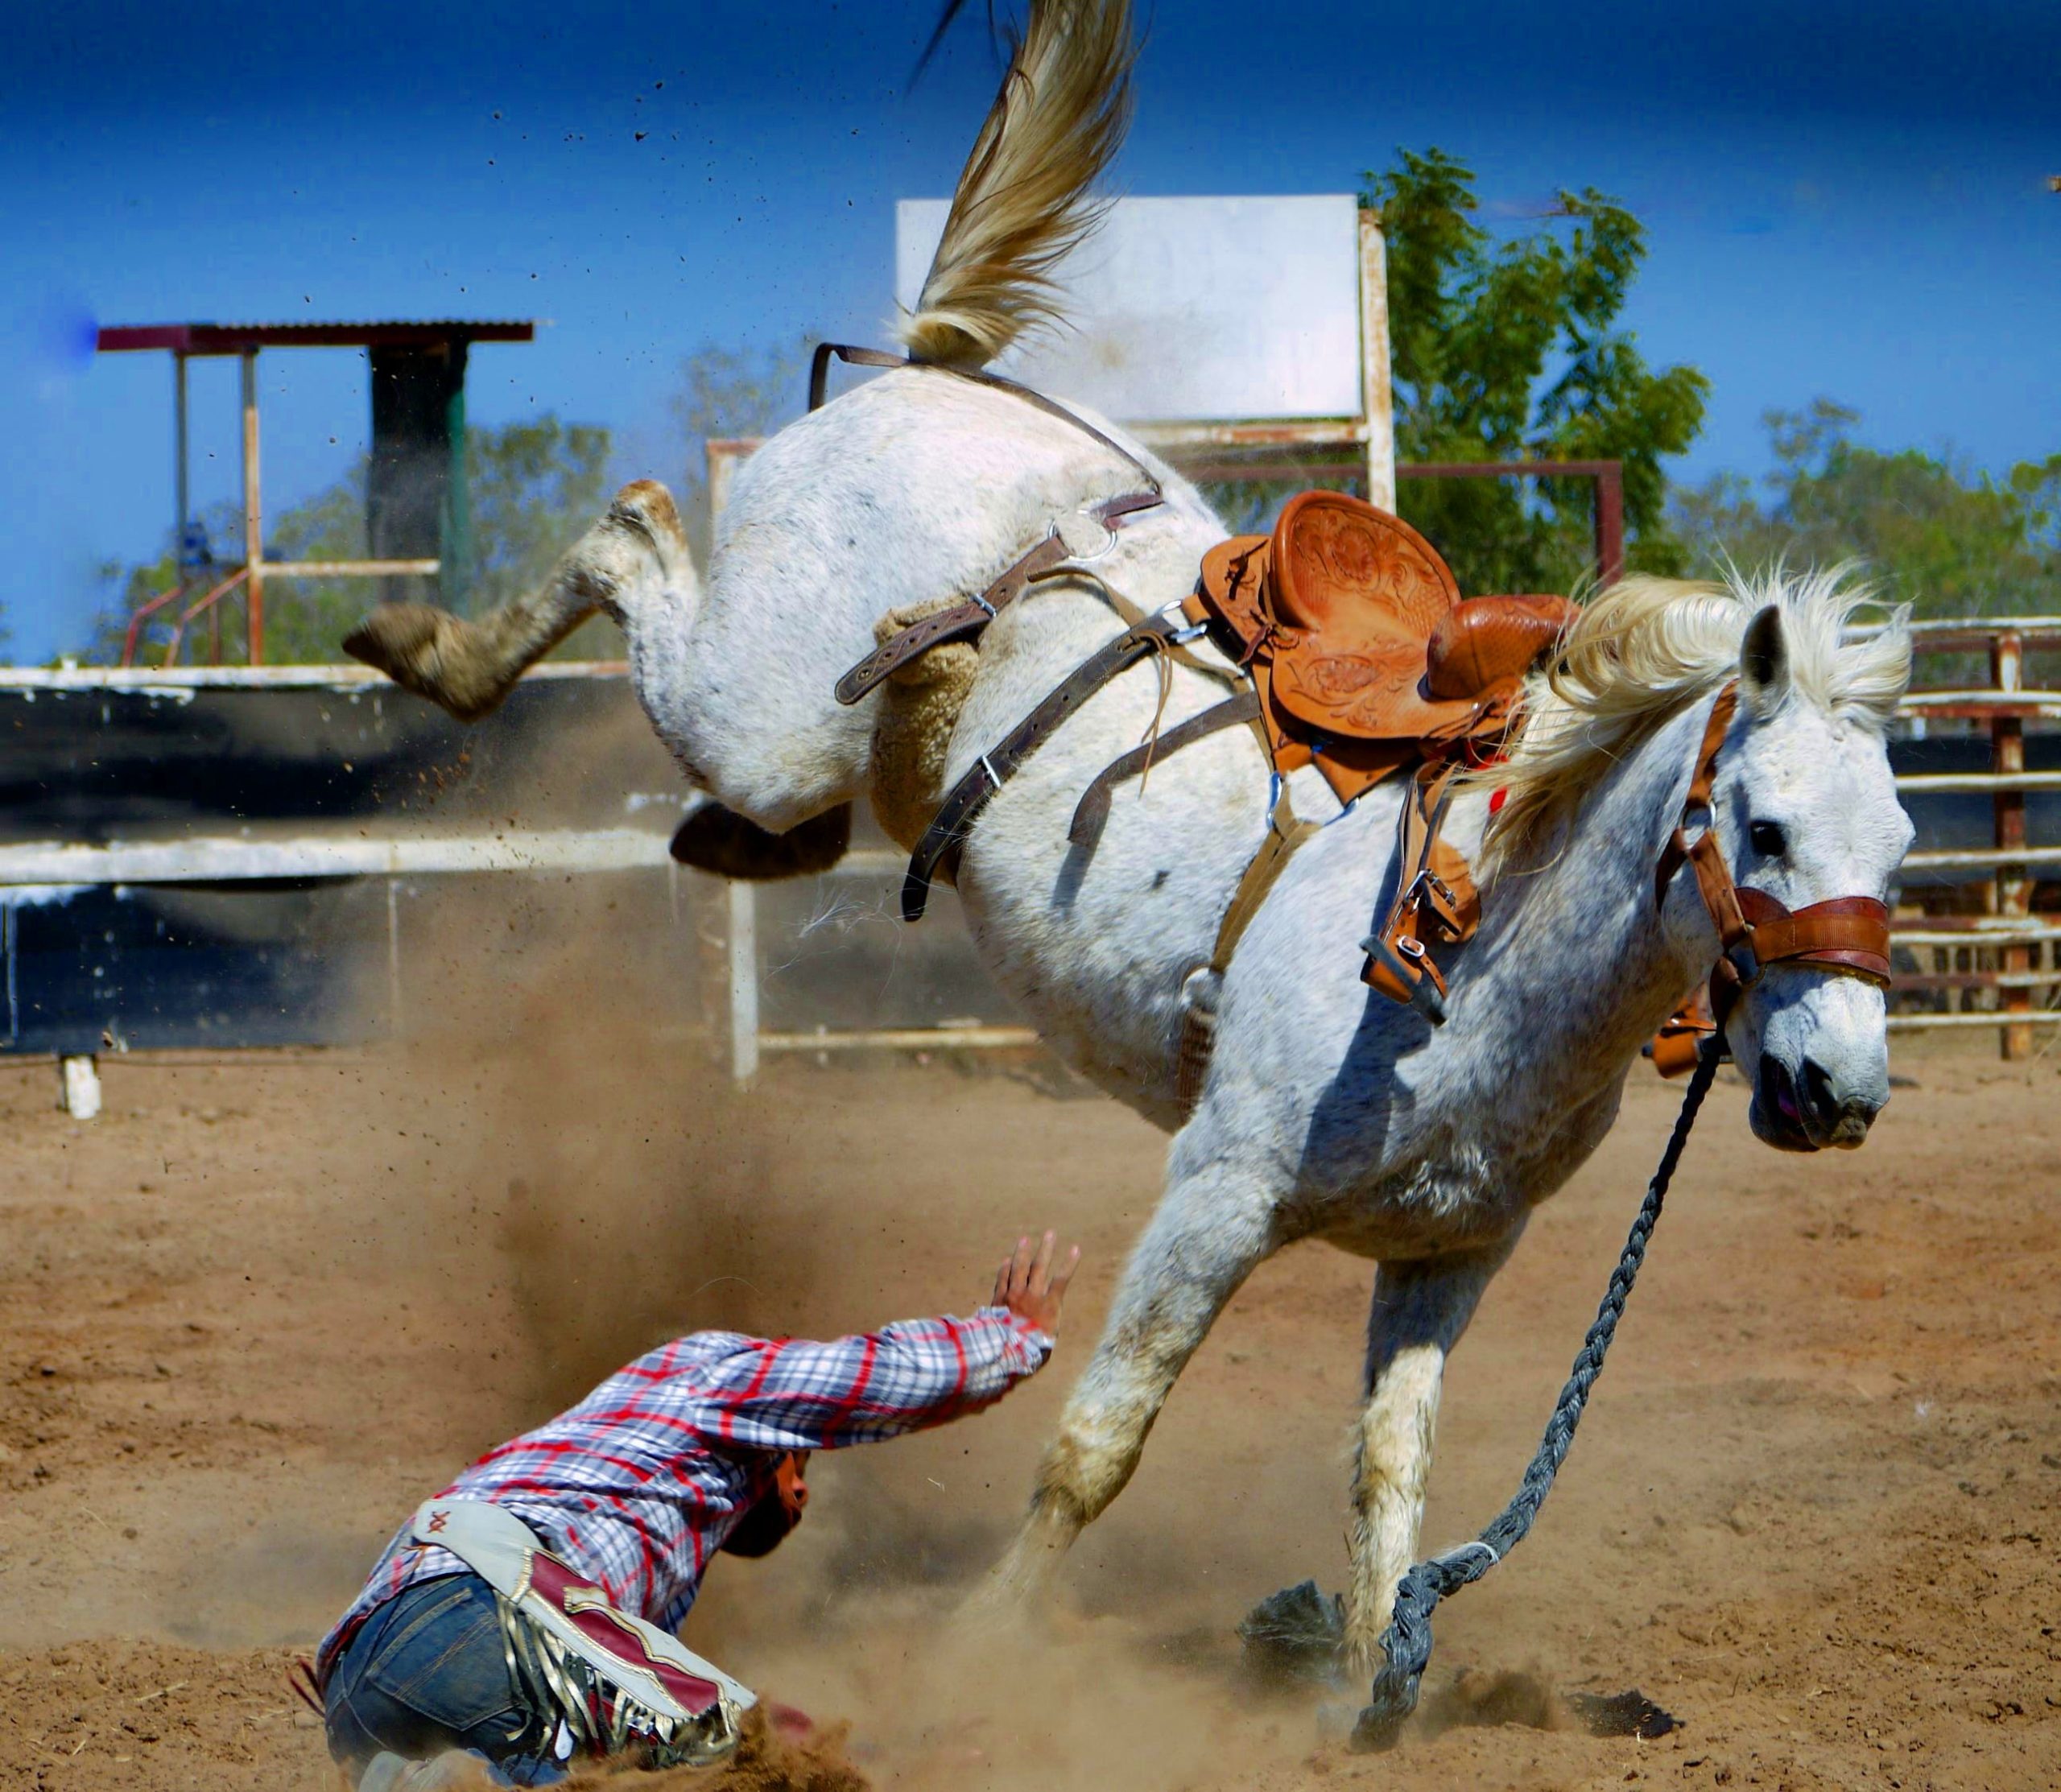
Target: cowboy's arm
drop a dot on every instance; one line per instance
(796, 1394)
(799, 1395)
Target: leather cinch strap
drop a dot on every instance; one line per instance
(1091, 814)
(938, 851)
(1398, 965)
(1049, 558)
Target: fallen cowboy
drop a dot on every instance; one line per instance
(525, 1617)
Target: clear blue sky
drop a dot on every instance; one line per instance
(1844, 198)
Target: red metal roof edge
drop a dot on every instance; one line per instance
(227, 339)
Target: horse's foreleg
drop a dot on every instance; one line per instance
(1210, 1232)
(467, 668)
(1419, 1310)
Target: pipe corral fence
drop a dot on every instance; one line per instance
(145, 830)
(110, 842)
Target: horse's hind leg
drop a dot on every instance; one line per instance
(1418, 1313)
(467, 668)
(1212, 1229)
(634, 565)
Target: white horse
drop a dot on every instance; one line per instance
(1327, 1112)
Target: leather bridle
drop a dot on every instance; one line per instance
(1848, 934)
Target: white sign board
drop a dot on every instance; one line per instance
(1191, 310)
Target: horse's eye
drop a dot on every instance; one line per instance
(1768, 839)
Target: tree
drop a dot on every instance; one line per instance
(1933, 532)
(1514, 352)
(725, 392)
(533, 488)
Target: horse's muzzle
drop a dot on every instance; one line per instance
(1809, 1111)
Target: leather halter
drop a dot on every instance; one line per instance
(1848, 934)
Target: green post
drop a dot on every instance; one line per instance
(415, 503)
(457, 549)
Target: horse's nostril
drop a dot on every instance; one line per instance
(1829, 1107)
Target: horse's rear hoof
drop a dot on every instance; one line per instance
(394, 638)
(719, 840)
(430, 653)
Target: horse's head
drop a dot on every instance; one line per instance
(1805, 811)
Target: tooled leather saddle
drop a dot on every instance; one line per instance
(1362, 651)
(1363, 659)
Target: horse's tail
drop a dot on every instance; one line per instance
(1023, 198)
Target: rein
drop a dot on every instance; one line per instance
(1848, 934)
(1407, 1640)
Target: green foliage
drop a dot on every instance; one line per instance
(726, 393)
(1514, 351)
(534, 487)
(1932, 532)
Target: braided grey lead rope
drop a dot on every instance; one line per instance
(1407, 1640)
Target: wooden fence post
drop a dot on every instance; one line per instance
(2012, 897)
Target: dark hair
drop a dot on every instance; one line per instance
(766, 1521)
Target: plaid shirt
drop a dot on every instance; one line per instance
(638, 1484)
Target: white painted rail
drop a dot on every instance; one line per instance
(225, 859)
(186, 681)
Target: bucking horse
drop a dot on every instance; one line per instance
(1753, 711)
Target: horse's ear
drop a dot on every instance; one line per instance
(1764, 660)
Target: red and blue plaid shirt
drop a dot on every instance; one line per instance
(638, 1485)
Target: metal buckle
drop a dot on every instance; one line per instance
(1428, 879)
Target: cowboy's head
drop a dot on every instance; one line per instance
(766, 1521)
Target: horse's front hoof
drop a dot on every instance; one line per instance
(1294, 1637)
(719, 841)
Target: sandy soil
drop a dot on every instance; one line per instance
(252, 1314)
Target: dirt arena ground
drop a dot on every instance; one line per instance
(260, 1308)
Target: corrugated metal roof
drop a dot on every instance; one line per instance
(230, 339)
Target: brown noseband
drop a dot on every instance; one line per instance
(1850, 934)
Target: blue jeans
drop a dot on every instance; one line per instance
(426, 1674)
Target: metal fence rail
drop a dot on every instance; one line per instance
(2008, 953)
(1999, 969)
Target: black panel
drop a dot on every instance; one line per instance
(301, 961)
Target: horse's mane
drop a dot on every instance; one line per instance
(1645, 648)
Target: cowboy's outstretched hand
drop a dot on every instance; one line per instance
(1028, 1287)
